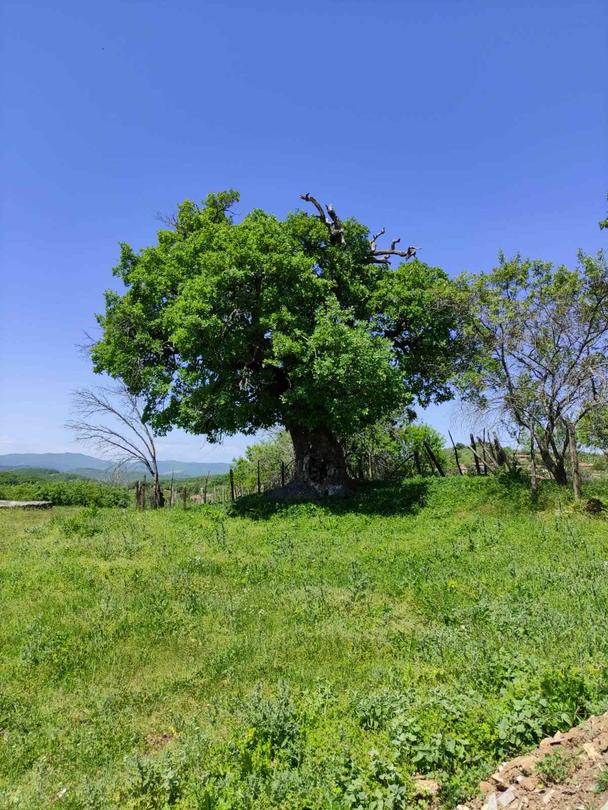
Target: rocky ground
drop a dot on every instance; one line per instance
(568, 771)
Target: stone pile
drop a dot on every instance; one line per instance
(575, 777)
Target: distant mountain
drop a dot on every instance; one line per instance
(62, 462)
(91, 467)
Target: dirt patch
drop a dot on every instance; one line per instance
(157, 741)
(568, 771)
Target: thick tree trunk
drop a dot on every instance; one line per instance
(556, 467)
(158, 494)
(319, 466)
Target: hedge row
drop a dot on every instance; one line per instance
(68, 493)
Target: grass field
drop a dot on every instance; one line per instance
(296, 657)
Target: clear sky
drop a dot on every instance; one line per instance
(464, 126)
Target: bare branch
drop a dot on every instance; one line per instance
(170, 220)
(406, 254)
(375, 237)
(336, 228)
(309, 198)
(121, 432)
(333, 223)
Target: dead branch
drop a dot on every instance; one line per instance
(332, 222)
(375, 237)
(112, 420)
(334, 225)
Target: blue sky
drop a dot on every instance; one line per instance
(465, 127)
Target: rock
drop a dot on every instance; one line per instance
(25, 504)
(601, 741)
(526, 765)
(548, 796)
(499, 781)
(491, 803)
(506, 798)
(591, 751)
(528, 782)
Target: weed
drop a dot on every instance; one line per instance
(556, 767)
(602, 781)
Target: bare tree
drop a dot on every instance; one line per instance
(112, 420)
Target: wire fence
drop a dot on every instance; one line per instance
(212, 489)
(486, 456)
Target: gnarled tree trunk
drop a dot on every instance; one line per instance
(319, 465)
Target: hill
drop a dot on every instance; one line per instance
(100, 469)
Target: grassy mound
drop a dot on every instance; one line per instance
(304, 656)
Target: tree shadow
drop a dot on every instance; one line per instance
(370, 498)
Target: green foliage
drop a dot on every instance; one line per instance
(26, 475)
(389, 449)
(68, 493)
(593, 429)
(228, 326)
(302, 656)
(270, 454)
(603, 224)
(555, 768)
(543, 337)
(602, 780)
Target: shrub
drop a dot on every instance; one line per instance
(68, 493)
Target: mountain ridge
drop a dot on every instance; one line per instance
(92, 467)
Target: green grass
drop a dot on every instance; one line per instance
(298, 657)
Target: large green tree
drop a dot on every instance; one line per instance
(229, 326)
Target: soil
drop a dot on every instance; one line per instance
(578, 761)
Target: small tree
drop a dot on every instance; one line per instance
(265, 457)
(301, 323)
(543, 334)
(122, 434)
(394, 449)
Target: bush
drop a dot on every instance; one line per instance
(68, 493)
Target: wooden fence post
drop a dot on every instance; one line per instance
(434, 459)
(483, 452)
(282, 473)
(455, 453)
(143, 493)
(475, 459)
(184, 496)
(231, 485)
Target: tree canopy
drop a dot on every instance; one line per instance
(543, 334)
(229, 326)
